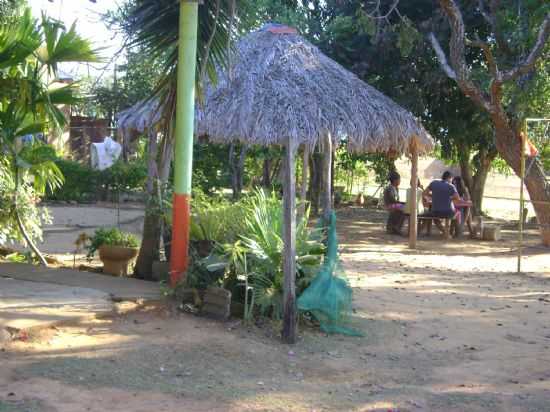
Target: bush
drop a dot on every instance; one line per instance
(247, 238)
(124, 176)
(110, 237)
(82, 183)
(32, 216)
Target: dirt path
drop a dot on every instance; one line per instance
(451, 332)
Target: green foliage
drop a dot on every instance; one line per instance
(281, 11)
(32, 215)
(110, 237)
(210, 167)
(248, 248)
(82, 183)
(124, 176)
(30, 52)
(134, 81)
(264, 242)
(216, 220)
(407, 37)
(9, 9)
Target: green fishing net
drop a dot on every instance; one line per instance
(328, 298)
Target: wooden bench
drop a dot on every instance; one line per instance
(423, 219)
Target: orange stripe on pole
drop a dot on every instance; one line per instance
(179, 257)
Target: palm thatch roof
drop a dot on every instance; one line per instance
(281, 86)
(140, 117)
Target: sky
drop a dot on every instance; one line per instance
(89, 25)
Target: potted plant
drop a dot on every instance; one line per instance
(116, 250)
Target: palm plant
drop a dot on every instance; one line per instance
(265, 247)
(30, 52)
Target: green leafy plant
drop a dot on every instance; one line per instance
(110, 237)
(81, 182)
(264, 241)
(30, 100)
(216, 219)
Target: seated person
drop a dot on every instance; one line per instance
(419, 196)
(464, 193)
(443, 195)
(393, 205)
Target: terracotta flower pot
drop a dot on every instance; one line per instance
(116, 259)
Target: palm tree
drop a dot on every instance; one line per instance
(153, 25)
(30, 52)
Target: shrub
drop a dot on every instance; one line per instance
(82, 183)
(110, 237)
(248, 238)
(124, 176)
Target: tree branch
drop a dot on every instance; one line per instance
(489, 56)
(527, 65)
(458, 57)
(376, 14)
(490, 17)
(442, 58)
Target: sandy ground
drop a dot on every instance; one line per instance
(447, 328)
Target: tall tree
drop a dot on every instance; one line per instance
(515, 44)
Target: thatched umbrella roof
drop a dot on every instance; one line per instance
(140, 117)
(281, 86)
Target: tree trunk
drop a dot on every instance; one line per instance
(290, 315)
(509, 147)
(327, 178)
(266, 173)
(20, 224)
(150, 243)
(303, 187)
(491, 100)
(475, 182)
(165, 163)
(315, 182)
(237, 169)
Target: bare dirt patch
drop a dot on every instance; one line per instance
(447, 328)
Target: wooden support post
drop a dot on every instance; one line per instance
(152, 170)
(413, 218)
(289, 236)
(327, 167)
(183, 155)
(523, 137)
(303, 188)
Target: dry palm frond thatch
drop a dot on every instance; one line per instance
(140, 117)
(281, 86)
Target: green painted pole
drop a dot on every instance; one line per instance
(183, 156)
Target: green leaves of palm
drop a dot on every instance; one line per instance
(153, 24)
(30, 52)
(265, 246)
(60, 45)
